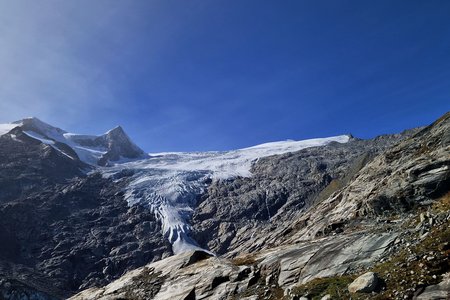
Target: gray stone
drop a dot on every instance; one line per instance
(438, 291)
(365, 283)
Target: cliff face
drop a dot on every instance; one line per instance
(305, 223)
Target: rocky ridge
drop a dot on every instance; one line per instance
(113, 146)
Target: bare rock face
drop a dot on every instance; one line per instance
(405, 176)
(211, 278)
(177, 277)
(119, 146)
(366, 283)
(27, 165)
(79, 234)
(327, 257)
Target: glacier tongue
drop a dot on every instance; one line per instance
(171, 196)
(169, 183)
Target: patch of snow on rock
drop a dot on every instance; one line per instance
(5, 128)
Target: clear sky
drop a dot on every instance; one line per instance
(214, 75)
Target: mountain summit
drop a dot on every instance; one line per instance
(112, 146)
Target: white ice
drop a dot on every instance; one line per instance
(169, 183)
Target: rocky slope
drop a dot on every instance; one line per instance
(27, 164)
(372, 218)
(304, 219)
(231, 213)
(406, 260)
(79, 234)
(62, 225)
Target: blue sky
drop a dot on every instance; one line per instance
(216, 75)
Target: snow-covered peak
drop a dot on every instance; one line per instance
(31, 124)
(36, 125)
(114, 145)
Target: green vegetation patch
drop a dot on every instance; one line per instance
(246, 260)
(336, 287)
(417, 266)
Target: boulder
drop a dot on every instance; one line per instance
(365, 283)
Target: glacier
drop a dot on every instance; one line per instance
(167, 183)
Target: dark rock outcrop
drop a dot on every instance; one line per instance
(79, 234)
(119, 146)
(27, 164)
